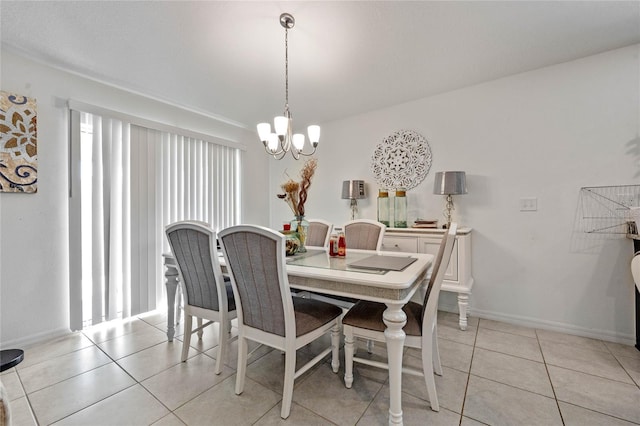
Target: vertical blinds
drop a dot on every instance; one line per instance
(134, 181)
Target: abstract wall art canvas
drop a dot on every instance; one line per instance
(18, 143)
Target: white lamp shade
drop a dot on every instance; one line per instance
(264, 129)
(281, 124)
(298, 141)
(353, 189)
(450, 183)
(272, 142)
(314, 134)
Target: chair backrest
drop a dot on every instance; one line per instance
(194, 247)
(364, 234)
(635, 269)
(319, 233)
(440, 264)
(255, 258)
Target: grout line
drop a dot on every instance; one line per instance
(553, 388)
(594, 375)
(26, 395)
(466, 387)
(67, 378)
(514, 387)
(512, 333)
(512, 355)
(623, 368)
(599, 412)
(96, 402)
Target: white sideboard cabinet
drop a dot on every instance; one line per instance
(458, 277)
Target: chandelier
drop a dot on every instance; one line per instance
(283, 140)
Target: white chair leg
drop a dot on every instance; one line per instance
(242, 364)
(223, 338)
(348, 357)
(186, 337)
(178, 305)
(335, 348)
(370, 346)
(437, 367)
(429, 378)
(200, 329)
(289, 375)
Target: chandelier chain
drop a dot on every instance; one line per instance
(286, 66)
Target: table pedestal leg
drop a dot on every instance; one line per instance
(395, 319)
(171, 276)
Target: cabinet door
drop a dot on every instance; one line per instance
(403, 244)
(431, 246)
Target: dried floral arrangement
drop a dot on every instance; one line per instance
(295, 193)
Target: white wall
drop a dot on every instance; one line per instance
(543, 134)
(34, 289)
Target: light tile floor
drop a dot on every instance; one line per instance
(494, 373)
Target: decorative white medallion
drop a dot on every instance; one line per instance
(402, 160)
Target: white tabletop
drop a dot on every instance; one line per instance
(316, 271)
(333, 276)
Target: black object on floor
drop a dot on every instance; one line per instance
(10, 358)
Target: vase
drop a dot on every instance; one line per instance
(383, 207)
(400, 209)
(292, 243)
(301, 226)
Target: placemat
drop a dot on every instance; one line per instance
(387, 263)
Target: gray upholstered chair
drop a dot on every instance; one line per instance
(319, 233)
(206, 293)
(364, 234)
(360, 234)
(364, 320)
(267, 312)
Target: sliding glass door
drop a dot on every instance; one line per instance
(127, 182)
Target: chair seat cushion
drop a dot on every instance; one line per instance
(312, 314)
(368, 315)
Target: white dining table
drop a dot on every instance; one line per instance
(316, 271)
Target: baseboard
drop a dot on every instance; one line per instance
(34, 338)
(626, 339)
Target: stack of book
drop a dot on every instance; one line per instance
(425, 223)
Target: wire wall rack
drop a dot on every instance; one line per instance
(609, 209)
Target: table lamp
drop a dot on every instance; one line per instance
(449, 184)
(353, 190)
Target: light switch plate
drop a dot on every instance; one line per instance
(528, 204)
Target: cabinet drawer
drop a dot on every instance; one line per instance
(431, 246)
(403, 244)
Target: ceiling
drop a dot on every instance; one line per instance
(227, 58)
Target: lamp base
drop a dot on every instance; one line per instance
(354, 208)
(448, 208)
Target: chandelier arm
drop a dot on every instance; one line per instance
(268, 151)
(280, 155)
(307, 154)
